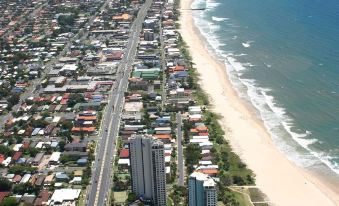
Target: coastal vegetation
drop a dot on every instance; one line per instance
(232, 171)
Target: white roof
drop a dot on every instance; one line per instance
(167, 158)
(62, 195)
(123, 162)
(76, 180)
(207, 167)
(88, 122)
(200, 137)
(194, 108)
(167, 146)
(69, 67)
(39, 145)
(205, 162)
(205, 144)
(198, 140)
(168, 169)
(133, 106)
(25, 178)
(55, 156)
(180, 90)
(162, 129)
(196, 116)
(56, 119)
(207, 181)
(7, 161)
(17, 147)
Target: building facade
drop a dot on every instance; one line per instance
(201, 190)
(148, 169)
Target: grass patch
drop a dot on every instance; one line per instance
(169, 201)
(120, 196)
(242, 199)
(256, 195)
(220, 203)
(261, 204)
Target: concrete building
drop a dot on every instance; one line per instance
(201, 190)
(148, 169)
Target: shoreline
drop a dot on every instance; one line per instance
(281, 180)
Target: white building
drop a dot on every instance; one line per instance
(201, 190)
(148, 169)
(54, 159)
(64, 197)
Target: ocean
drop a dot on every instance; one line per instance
(283, 57)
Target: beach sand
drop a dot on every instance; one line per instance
(281, 180)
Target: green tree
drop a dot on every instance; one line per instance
(20, 169)
(13, 100)
(5, 150)
(74, 99)
(23, 188)
(5, 185)
(225, 178)
(9, 201)
(66, 125)
(131, 197)
(193, 155)
(62, 145)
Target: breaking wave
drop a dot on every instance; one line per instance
(275, 117)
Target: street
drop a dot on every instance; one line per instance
(102, 169)
(180, 151)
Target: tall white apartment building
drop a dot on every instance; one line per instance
(148, 169)
(201, 190)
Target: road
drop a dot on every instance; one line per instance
(102, 170)
(163, 63)
(181, 168)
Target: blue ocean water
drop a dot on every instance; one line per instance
(283, 57)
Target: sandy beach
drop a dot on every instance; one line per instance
(281, 180)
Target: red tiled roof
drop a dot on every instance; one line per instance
(86, 118)
(17, 178)
(63, 101)
(42, 198)
(162, 136)
(209, 171)
(65, 96)
(3, 195)
(16, 156)
(124, 153)
(202, 128)
(25, 145)
(85, 129)
(2, 158)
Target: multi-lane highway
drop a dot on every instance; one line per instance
(102, 168)
(180, 151)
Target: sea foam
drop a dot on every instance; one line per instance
(275, 117)
(218, 19)
(247, 44)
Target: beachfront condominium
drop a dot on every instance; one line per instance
(201, 190)
(148, 169)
